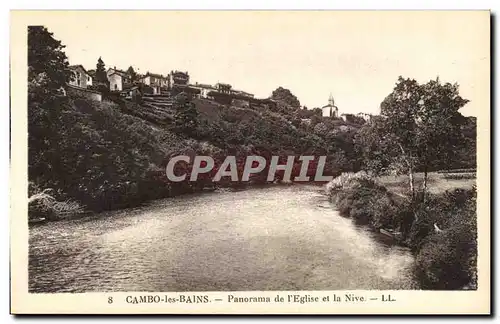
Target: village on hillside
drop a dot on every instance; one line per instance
(129, 84)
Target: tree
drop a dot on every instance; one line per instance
(286, 96)
(321, 128)
(317, 111)
(46, 56)
(420, 124)
(132, 73)
(186, 115)
(48, 72)
(100, 72)
(374, 148)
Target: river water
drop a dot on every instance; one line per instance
(276, 238)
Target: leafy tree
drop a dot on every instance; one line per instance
(321, 128)
(317, 111)
(374, 148)
(48, 72)
(46, 56)
(132, 73)
(186, 115)
(315, 119)
(282, 94)
(420, 124)
(424, 122)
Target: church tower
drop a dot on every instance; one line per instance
(331, 102)
(330, 110)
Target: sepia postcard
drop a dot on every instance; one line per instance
(250, 162)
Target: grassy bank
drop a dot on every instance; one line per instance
(441, 231)
(438, 182)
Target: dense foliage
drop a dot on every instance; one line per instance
(286, 96)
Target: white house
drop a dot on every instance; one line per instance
(155, 81)
(81, 78)
(365, 116)
(117, 79)
(204, 89)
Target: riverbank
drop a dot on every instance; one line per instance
(43, 207)
(441, 230)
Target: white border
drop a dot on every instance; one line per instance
(176, 4)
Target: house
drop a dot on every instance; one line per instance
(203, 88)
(243, 93)
(118, 79)
(351, 118)
(155, 81)
(224, 88)
(92, 74)
(330, 110)
(177, 78)
(132, 93)
(81, 78)
(366, 117)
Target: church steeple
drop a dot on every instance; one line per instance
(330, 100)
(330, 110)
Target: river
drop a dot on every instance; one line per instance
(274, 238)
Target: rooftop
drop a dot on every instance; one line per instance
(202, 85)
(155, 75)
(178, 72)
(72, 67)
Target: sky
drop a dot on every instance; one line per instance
(355, 56)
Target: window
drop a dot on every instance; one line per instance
(88, 78)
(116, 86)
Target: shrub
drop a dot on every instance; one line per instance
(384, 211)
(363, 200)
(44, 205)
(447, 260)
(446, 248)
(345, 181)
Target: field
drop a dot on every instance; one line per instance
(436, 182)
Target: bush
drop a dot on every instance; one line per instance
(44, 205)
(363, 200)
(447, 260)
(345, 181)
(447, 257)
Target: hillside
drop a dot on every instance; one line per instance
(227, 126)
(113, 154)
